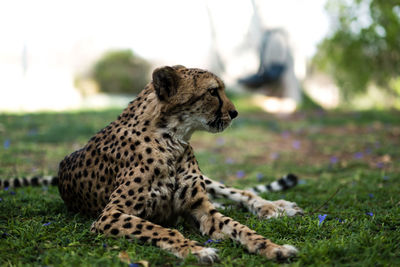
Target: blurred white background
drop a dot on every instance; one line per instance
(44, 44)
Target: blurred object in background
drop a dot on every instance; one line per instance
(46, 53)
(362, 52)
(275, 76)
(274, 55)
(120, 71)
(259, 47)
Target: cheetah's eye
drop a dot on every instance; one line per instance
(213, 91)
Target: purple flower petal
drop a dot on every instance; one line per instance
(1, 199)
(380, 165)
(12, 193)
(358, 155)
(220, 141)
(209, 241)
(229, 161)
(47, 224)
(377, 144)
(334, 160)
(133, 265)
(6, 188)
(6, 143)
(296, 144)
(371, 195)
(240, 174)
(274, 155)
(259, 176)
(370, 214)
(285, 134)
(104, 245)
(321, 218)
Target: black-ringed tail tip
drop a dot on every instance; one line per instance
(28, 181)
(284, 183)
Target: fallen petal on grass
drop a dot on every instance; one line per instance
(209, 241)
(296, 144)
(229, 161)
(274, 155)
(240, 174)
(285, 134)
(4, 235)
(7, 144)
(358, 155)
(220, 141)
(380, 165)
(334, 160)
(321, 218)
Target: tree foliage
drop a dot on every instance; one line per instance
(121, 71)
(364, 46)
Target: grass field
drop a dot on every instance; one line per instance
(348, 164)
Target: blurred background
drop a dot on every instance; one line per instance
(284, 55)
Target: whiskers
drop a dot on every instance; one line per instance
(218, 124)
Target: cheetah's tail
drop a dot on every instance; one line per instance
(30, 181)
(286, 182)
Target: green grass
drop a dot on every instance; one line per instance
(349, 166)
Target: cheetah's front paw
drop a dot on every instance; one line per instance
(282, 253)
(279, 208)
(206, 255)
(287, 208)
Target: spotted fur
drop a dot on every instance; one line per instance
(139, 174)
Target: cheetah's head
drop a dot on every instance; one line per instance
(196, 97)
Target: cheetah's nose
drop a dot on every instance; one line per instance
(233, 114)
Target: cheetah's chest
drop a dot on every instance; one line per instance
(160, 200)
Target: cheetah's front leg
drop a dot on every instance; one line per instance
(124, 216)
(113, 222)
(216, 225)
(257, 205)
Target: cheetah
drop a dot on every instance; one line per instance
(139, 174)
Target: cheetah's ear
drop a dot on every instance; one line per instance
(165, 82)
